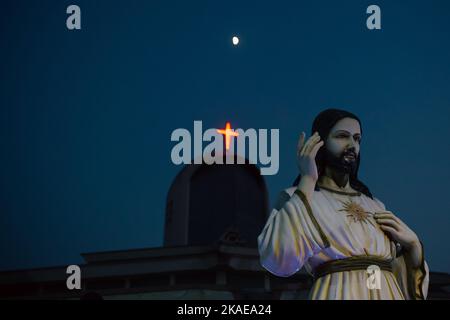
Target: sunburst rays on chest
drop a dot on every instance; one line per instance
(355, 212)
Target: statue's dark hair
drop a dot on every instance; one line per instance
(323, 124)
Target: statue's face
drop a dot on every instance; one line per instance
(343, 144)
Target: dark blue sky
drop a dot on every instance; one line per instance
(86, 116)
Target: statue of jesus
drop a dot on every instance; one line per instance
(330, 223)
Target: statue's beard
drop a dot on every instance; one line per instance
(341, 163)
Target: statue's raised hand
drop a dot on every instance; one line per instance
(306, 155)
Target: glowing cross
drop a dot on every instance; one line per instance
(228, 132)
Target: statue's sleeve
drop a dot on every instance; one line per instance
(412, 281)
(291, 236)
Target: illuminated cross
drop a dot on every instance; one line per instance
(228, 133)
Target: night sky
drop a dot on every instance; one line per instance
(86, 116)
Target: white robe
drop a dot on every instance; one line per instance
(294, 237)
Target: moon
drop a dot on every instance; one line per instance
(235, 40)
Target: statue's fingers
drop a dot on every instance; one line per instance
(301, 141)
(388, 215)
(384, 215)
(311, 143)
(389, 222)
(305, 146)
(316, 148)
(386, 212)
(391, 231)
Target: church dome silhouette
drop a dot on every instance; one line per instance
(216, 203)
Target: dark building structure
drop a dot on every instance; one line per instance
(209, 202)
(214, 214)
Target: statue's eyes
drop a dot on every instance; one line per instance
(346, 136)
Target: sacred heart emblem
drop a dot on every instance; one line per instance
(355, 211)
